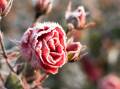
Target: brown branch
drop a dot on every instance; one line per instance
(1, 78)
(44, 77)
(4, 52)
(4, 13)
(2, 45)
(90, 25)
(25, 85)
(39, 80)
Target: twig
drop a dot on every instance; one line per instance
(5, 12)
(4, 52)
(90, 25)
(24, 83)
(40, 80)
(2, 46)
(44, 77)
(1, 78)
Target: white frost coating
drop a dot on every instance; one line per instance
(51, 25)
(80, 10)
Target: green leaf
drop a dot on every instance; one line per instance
(12, 82)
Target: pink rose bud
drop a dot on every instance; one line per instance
(109, 82)
(43, 45)
(42, 7)
(3, 4)
(5, 7)
(73, 50)
(77, 18)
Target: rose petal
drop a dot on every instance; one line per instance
(73, 50)
(55, 55)
(73, 47)
(59, 49)
(49, 69)
(61, 36)
(56, 34)
(61, 61)
(51, 45)
(44, 56)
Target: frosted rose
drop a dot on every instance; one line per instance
(44, 46)
(42, 7)
(76, 18)
(109, 82)
(3, 4)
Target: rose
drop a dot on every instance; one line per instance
(77, 18)
(42, 7)
(110, 81)
(44, 46)
(3, 4)
(5, 7)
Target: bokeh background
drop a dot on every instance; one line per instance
(103, 41)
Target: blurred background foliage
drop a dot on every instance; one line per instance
(103, 41)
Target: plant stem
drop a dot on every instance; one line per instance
(2, 46)
(44, 77)
(4, 51)
(40, 80)
(24, 83)
(1, 78)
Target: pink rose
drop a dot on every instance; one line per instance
(3, 4)
(44, 46)
(109, 82)
(77, 18)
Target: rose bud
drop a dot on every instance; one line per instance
(3, 4)
(75, 19)
(73, 50)
(42, 7)
(43, 45)
(5, 7)
(111, 81)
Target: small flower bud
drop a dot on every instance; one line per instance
(109, 82)
(3, 4)
(77, 17)
(5, 7)
(42, 7)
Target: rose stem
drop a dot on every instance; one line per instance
(44, 77)
(1, 78)
(24, 83)
(40, 77)
(4, 52)
(40, 80)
